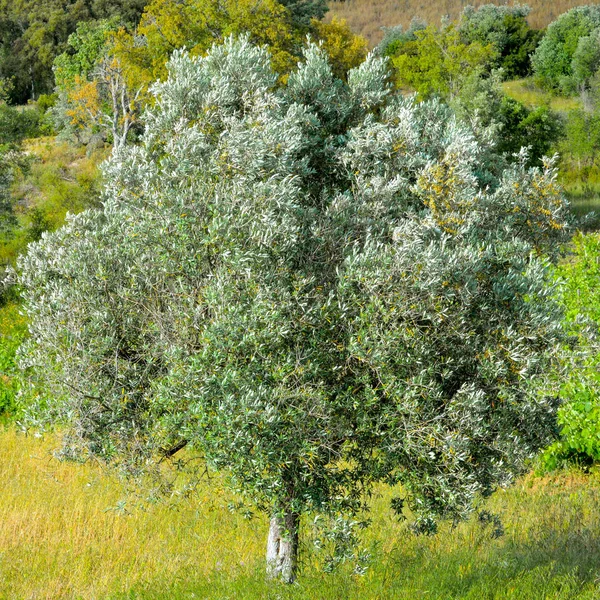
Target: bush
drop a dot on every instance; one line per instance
(17, 124)
(579, 417)
(12, 332)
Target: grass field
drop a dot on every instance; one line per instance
(72, 531)
(366, 17)
(526, 92)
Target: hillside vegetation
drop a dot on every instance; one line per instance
(367, 17)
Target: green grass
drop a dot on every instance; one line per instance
(525, 91)
(71, 531)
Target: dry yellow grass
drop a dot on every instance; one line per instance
(366, 17)
(62, 539)
(60, 536)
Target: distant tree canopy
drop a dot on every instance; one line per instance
(395, 37)
(506, 28)
(464, 63)
(562, 60)
(34, 32)
(318, 285)
(304, 11)
(438, 61)
(103, 77)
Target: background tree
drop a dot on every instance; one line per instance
(506, 28)
(304, 11)
(197, 24)
(553, 60)
(344, 49)
(96, 93)
(33, 33)
(317, 286)
(395, 37)
(438, 61)
(585, 65)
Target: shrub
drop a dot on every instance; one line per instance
(12, 333)
(579, 417)
(16, 124)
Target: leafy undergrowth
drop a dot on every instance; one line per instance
(72, 531)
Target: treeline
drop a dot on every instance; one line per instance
(368, 17)
(34, 32)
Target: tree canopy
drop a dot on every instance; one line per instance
(34, 32)
(438, 61)
(317, 286)
(506, 28)
(553, 59)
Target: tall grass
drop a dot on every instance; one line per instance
(525, 91)
(366, 17)
(72, 531)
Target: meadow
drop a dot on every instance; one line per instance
(367, 17)
(75, 531)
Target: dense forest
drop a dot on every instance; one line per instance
(320, 274)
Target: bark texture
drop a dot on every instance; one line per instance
(282, 547)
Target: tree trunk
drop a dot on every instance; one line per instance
(282, 547)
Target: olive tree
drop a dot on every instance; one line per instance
(317, 286)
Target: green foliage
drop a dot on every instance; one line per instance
(302, 12)
(553, 60)
(16, 125)
(344, 49)
(38, 185)
(586, 60)
(579, 417)
(86, 47)
(96, 93)
(33, 33)
(438, 62)
(582, 138)
(168, 25)
(317, 286)
(538, 129)
(395, 37)
(506, 28)
(12, 333)
(505, 123)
